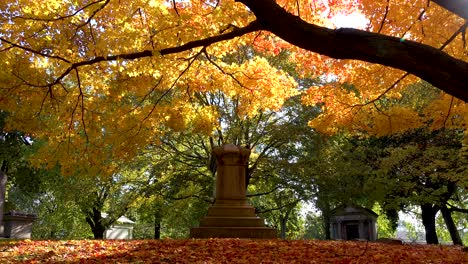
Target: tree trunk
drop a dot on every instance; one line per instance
(98, 232)
(95, 222)
(325, 208)
(451, 227)
(428, 213)
(157, 230)
(158, 217)
(283, 221)
(326, 227)
(3, 181)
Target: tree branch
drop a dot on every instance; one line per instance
(456, 209)
(253, 26)
(264, 193)
(292, 204)
(451, 74)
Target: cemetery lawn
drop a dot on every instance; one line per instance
(222, 251)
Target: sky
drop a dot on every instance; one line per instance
(353, 20)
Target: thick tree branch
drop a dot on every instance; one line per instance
(456, 209)
(428, 63)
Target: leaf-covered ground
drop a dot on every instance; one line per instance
(223, 251)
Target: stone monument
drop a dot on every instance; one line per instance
(18, 225)
(231, 215)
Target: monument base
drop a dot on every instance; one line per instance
(232, 219)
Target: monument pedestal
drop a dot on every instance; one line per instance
(231, 215)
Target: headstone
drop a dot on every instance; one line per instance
(231, 216)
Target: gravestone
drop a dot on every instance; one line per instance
(231, 215)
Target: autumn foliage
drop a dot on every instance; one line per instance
(224, 251)
(100, 80)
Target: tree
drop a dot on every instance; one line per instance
(452, 225)
(179, 187)
(334, 171)
(425, 171)
(418, 104)
(278, 198)
(191, 161)
(94, 77)
(314, 227)
(45, 193)
(356, 44)
(385, 226)
(403, 122)
(102, 200)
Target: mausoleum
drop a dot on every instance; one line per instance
(353, 223)
(121, 229)
(18, 225)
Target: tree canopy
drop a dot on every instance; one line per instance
(100, 79)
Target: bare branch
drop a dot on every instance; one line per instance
(82, 105)
(462, 29)
(146, 95)
(384, 92)
(34, 51)
(175, 7)
(224, 72)
(449, 110)
(384, 17)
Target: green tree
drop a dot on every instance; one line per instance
(341, 173)
(385, 226)
(314, 226)
(281, 208)
(66, 204)
(177, 189)
(424, 170)
(41, 192)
